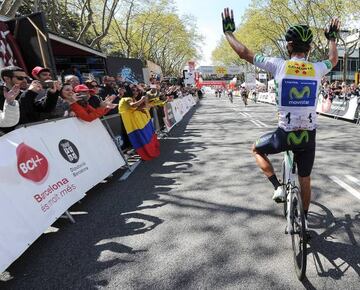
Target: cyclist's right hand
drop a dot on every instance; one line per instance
(228, 21)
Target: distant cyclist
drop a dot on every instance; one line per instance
(298, 82)
(244, 95)
(230, 95)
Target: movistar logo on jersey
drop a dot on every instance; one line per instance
(294, 93)
(293, 139)
(298, 93)
(259, 58)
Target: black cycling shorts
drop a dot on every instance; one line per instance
(301, 143)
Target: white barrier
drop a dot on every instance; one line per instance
(177, 109)
(44, 169)
(338, 107)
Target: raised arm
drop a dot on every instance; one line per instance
(237, 46)
(332, 34)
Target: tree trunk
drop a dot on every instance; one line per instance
(14, 8)
(5, 6)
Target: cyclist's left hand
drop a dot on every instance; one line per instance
(228, 20)
(332, 32)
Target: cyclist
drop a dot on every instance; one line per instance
(298, 82)
(244, 95)
(230, 95)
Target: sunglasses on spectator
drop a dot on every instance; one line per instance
(21, 78)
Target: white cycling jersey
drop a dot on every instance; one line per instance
(297, 83)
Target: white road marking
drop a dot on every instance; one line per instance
(344, 185)
(252, 121)
(262, 123)
(353, 179)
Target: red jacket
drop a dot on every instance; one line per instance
(88, 113)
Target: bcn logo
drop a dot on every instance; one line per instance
(32, 164)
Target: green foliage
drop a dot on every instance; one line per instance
(155, 32)
(265, 22)
(148, 29)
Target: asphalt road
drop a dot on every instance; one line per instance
(201, 216)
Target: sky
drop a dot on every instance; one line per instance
(208, 18)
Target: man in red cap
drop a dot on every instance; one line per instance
(50, 89)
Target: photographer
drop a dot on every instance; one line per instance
(30, 108)
(79, 103)
(51, 88)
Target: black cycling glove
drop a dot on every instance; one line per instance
(228, 23)
(332, 33)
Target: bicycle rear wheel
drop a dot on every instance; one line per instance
(298, 233)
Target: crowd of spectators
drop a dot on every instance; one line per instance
(25, 99)
(341, 90)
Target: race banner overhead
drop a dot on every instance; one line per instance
(44, 169)
(220, 70)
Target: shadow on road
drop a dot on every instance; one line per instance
(334, 247)
(71, 254)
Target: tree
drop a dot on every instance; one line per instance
(266, 21)
(10, 7)
(86, 21)
(153, 31)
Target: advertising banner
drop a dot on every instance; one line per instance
(169, 118)
(44, 169)
(339, 106)
(175, 110)
(129, 69)
(267, 98)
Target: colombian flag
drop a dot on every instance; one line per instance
(140, 130)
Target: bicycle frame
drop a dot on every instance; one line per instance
(289, 180)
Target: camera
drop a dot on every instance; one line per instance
(48, 84)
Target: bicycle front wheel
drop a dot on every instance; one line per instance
(298, 233)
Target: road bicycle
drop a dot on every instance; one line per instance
(294, 213)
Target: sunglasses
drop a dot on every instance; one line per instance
(21, 78)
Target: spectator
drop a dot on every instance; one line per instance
(108, 88)
(138, 124)
(51, 88)
(80, 106)
(11, 76)
(336, 88)
(94, 100)
(10, 114)
(30, 109)
(354, 90)
(72, 80)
